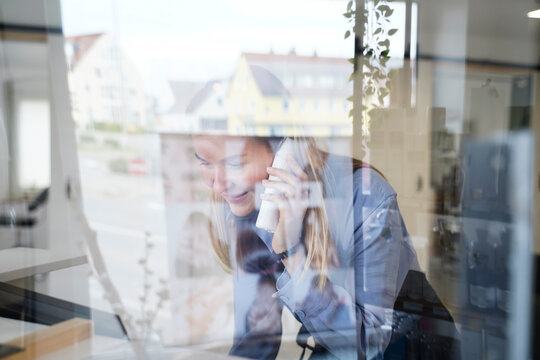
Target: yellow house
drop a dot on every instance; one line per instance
(273, 94)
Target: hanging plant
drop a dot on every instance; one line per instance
(370, 22)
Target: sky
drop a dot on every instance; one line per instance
(202, 40)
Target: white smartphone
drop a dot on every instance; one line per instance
(269, 213)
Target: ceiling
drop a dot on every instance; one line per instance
(492, 30)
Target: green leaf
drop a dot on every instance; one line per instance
(378, 31)
(351, 112)
(383, 8)
(389, 12)
(385, 53)
(347, 34)
(385, 43)
(392, 31)
(351, 78)
(351, 60)
(347, 14)
(349, 6)
(350, 98)
(378, 15)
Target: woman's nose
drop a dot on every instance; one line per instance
(220, 180)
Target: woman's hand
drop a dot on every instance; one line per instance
(292, 199)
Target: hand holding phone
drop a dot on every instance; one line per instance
(269, 212)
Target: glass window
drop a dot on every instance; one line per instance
(325, 179)
(34, 170)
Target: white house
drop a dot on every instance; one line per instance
(105, 86)
(198, 106)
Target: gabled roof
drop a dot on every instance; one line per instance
(183, 92)
(267, 82)
(81, 45)
(200, 96)
(190, 95)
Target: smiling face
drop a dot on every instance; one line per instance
(231, 166)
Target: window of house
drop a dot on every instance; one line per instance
(33, 144)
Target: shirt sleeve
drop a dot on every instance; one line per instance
(382, 258)
(259, 336)
(353, 323)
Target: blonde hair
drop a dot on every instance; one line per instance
(321, 253)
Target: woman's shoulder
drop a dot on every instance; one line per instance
(367, 183)
(370, 182)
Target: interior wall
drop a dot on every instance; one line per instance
(451, 33)
(535, 127)
(4, 143)
(33, 65)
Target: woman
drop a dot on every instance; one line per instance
(337, 259)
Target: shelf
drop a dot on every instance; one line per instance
(20, 262)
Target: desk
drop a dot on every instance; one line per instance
(20, 262)
(96, 344)
(108, 348)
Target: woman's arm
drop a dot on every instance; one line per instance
(351, 320)
(382, 258)
(346, 316)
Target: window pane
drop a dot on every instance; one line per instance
(34, 144)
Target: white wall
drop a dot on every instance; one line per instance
(34, 68)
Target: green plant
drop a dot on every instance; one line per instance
(119, 165)
(113, 143)
(134, 129)
(370, 23)
(87, 138)
(149, 309)
(107, 126)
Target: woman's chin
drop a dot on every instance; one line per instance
(244, 208)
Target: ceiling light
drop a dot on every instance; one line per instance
(535, 14)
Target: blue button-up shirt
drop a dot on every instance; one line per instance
(350, 316)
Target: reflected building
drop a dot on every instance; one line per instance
(197, 107)
(274, 94)
(105, 86)
(176, 118)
